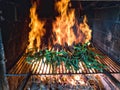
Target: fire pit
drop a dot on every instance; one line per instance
(55, 62)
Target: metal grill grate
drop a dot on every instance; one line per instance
(40, 68)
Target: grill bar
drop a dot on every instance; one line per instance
(40, 68)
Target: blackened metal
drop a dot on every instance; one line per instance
(23, 84)
(109, 83)
(114, 80)
(9, 75)
(3, 79)
(104, 52)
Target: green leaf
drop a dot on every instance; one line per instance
(70, 59)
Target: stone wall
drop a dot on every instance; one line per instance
(106, 31)
(14, 18)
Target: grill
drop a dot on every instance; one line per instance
(22, 72)
(105, 35)
(40, 68)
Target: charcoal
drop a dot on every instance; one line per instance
(63, 82)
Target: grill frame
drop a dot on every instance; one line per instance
(22, 68)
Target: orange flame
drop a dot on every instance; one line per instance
(85, 30)
(62, 27)
(64, 33)
(37, 29)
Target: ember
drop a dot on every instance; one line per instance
(65, 82)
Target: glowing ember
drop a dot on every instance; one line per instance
(66, 82)
(37, 30)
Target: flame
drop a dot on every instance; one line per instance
(62, 27)
(37, 29)
(63, 31)
(85, 30)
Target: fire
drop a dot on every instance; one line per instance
(62, 27)
(85, 30)
(37, 29)
(63, 31)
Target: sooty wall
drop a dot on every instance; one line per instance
(106, 30)
(14, 18)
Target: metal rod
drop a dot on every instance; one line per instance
(9, 75)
